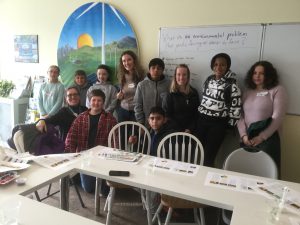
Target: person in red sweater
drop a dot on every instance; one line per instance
(89, 129)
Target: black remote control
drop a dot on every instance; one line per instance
(119, 173)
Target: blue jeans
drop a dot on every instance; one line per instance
(125, 115)
(88, 183)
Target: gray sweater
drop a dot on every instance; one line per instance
(149, 93)
(110, 92)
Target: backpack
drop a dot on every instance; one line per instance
(49, 142)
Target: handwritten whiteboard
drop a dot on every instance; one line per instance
(282, 49)
(195, 46)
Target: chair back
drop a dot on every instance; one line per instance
(181, 146)
(120, 133)
(257, 163)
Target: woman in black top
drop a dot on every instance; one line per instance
(182, 102)
(66, 115)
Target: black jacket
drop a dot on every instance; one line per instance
(64, 119)
(182, 109)
(166, 129)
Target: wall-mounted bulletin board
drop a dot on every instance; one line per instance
(246, 44)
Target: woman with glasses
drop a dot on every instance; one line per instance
(25, 136)
(66, 115)
(51, 95)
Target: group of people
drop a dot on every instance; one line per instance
(166, 106)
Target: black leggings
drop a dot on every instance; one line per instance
(211, 133)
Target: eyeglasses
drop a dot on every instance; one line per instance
(72, 95)
(52, 71)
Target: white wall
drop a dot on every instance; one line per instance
(46, 18)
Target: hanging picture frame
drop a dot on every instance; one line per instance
(26, 48)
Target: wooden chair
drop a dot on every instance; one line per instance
(118, 137)
(182, 147)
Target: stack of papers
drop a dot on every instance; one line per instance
(271, 190)
(56, 161)
(9, 163)
(121, 156)
(173, 166)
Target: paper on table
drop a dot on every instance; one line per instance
(56, 161)
(122, 156)
(9, 166)
(119, 155)
(231, 182)
(173, 166)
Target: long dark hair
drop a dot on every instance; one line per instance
(138, 73)
(270, 73)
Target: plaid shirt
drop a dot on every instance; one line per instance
(78, 135)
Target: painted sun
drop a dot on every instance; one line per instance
(85, 40)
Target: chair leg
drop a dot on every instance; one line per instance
(37, 196)
(77, 192)
(202, 217)
(156, 215)
(97, 196)
(49, 189)
(219, 216)
(107, 200)
(143, 198)
(225, 219)
(169, 215)
(196, 217)
(110, 202)
(146, 204)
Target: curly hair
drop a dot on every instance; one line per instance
(138, 73)
(270, 75)
(221, 55)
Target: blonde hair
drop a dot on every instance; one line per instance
(174, 86)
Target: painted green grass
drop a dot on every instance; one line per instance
(88, 59)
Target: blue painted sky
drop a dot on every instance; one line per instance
(91, 23)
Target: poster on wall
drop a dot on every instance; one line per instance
(95, 33)
(26, 48)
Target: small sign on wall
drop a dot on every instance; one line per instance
(26, 48)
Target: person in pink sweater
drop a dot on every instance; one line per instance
(264, 106)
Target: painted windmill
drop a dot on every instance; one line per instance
(103, 24)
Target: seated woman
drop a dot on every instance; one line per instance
(25, 136)
(66, 115)
(264, 106)
(181, 105)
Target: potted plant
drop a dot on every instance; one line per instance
(6, 87)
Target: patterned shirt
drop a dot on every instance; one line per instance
(78, 135)
(221, 98)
